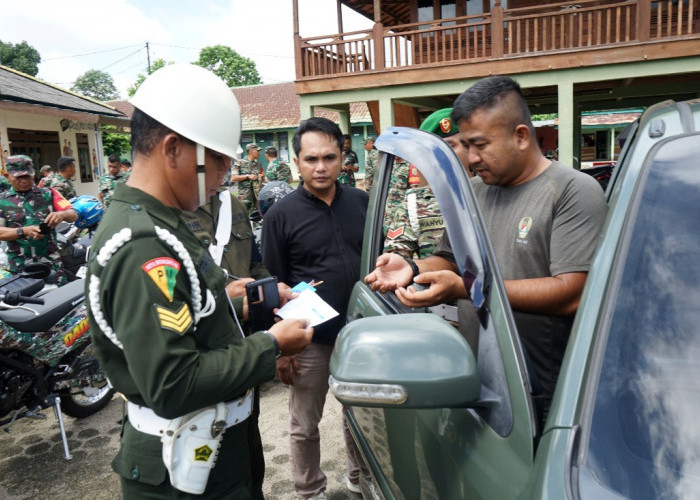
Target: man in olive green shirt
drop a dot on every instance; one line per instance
(159, 316)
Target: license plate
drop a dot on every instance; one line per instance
(82, 272)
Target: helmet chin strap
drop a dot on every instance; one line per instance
(201, 180)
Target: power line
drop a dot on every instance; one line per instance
(241, 53)
(119, 60)
(91, 53)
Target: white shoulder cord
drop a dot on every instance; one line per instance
(223, 228)
(199, 311)
(412, 208)
(111, 247)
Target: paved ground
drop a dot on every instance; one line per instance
(32, 464)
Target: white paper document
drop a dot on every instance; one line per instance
(308, 305)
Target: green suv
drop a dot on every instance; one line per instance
(434, 419)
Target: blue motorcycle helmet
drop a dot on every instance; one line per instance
(89, 210)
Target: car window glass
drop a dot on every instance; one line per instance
(643, 437)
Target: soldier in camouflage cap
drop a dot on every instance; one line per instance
(63, 180)
(371, 162)
(350, 165)
(108, 181)
(276, 170)
(45, 174)
(246, 175)
(28, 216)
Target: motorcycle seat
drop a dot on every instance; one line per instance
(57, 303)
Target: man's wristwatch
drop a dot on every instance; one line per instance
(414, 266)
(278, 353)
(20, 232)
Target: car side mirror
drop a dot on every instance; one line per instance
(403, 361)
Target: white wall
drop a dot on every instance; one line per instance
(31, 121)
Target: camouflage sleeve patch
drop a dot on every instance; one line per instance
(178, 320)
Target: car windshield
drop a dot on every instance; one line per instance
(645, 437)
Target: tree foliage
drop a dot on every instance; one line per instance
(22, 57)
(96, 84)
(114, 142)
(229, 65)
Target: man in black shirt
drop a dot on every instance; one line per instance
(315, 233)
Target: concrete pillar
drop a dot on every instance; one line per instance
(344, 119)
(567, 118)
(386, 113)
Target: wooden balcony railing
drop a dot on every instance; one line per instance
(502, 33)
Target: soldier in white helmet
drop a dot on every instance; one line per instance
(162, 325)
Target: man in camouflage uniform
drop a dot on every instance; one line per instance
(350, 165)
(108, 181)
(45, 174)
(28, 216)
(371, 162)
(62, 181)
(276, 169)
(416, 227)
(398, 184)
(245, 173)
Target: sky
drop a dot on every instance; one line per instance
(75, 36)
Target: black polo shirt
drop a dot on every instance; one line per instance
(305, 239)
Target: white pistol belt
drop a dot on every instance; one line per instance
(145, 420)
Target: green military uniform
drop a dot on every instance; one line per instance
(31, 208)
(238, 255)
(4, 184)
(348, 176)
(146, 288)
(240, 259)
(371, 166)
(278, 171)
(398, 184)
(417, 226)
(62, 185)
(247, 189)
(106, 186)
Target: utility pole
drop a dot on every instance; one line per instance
(148, 56)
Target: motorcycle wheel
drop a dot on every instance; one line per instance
(86, 401)
(88, 395)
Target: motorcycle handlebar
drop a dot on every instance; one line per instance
(14, 298)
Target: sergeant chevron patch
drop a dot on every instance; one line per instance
(392, 234)
(178, 321)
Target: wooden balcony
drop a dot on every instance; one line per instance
(584, 31)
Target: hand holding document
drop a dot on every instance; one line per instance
(308, 305)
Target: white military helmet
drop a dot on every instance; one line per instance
(195, 103)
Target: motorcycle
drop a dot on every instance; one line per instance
(46, 355)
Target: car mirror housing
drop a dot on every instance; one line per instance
(405, 361)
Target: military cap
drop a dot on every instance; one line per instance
(271, 149)
(252, 145)
(370, 138)
(440, 123)
(19, 165)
